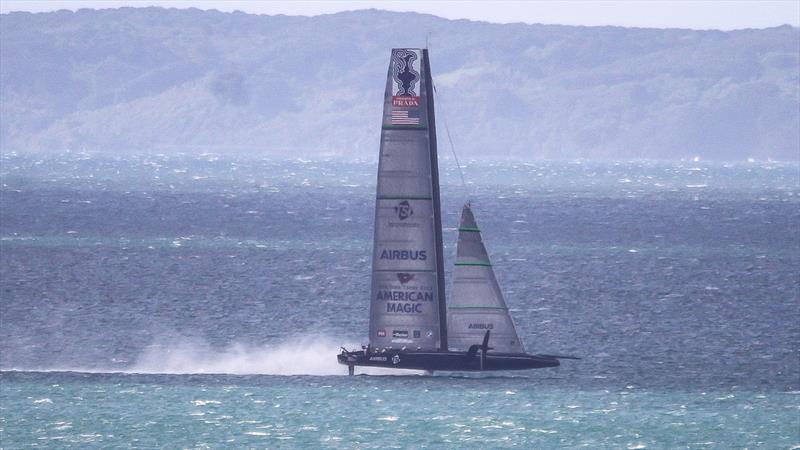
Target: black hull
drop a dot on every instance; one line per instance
(447, 361)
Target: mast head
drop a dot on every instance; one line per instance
(467, 218)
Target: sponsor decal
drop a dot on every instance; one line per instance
(405, 277)
(405, 101)
(404, 216)
(405, 296)
(381, 333)
(415, 255)
(409, 308)
(399, 333)
(481, 326)
(396, 359)
(417, 334)
(405, 78)
(403, 210)
(404, 73)
(377, 358)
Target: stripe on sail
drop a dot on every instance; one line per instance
(402, 118)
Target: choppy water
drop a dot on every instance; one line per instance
(202, 299)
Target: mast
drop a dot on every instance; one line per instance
(437, 208)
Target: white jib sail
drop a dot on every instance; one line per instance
(476, 303)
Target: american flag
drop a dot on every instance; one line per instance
(400, 117)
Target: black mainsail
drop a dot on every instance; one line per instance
(407, 307)
(408, 327)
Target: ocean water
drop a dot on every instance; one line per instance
(199, 302)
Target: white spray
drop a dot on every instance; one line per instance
(297, 356)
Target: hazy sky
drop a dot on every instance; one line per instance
(720, 14)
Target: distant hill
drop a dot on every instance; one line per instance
(169, 80)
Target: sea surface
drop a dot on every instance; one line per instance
(199, 302)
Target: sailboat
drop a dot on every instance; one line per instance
(411, 324)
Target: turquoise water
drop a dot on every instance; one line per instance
(101, 411)
(199, 302)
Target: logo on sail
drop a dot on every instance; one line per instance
(405, 277)
(405, 79)
(404, 308)
(404, 214)
(404, 210)
(404, 255)
(403, 73)
(405, 296)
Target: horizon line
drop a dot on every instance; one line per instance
(57, 6)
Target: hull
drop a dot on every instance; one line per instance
(447, 361)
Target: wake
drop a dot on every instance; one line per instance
(299, 356)
(183, 356)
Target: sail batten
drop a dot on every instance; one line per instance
(407, 296)
(476, 303)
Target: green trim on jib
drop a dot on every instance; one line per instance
(472, 229)
(484, 264)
